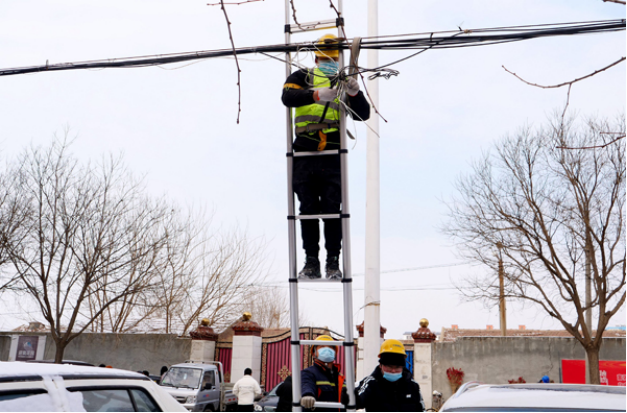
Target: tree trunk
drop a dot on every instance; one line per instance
(592, 365)
(60, 349)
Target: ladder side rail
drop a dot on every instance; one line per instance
(349, 351)
(294, 326)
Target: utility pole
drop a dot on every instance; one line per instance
(588, 314)
(372, 289)
(502, 311)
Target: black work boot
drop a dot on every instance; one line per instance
(333, 268)
(311, 270)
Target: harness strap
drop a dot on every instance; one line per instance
(313, 127)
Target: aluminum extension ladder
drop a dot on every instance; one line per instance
(348, 344)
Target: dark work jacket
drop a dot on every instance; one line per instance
(376, 394)
(323, 384)
(297, 92)
(285, 396)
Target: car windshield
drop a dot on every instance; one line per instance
(182, 377)
(273, 391)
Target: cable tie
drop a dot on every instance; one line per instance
(343, 150)
(347, 280)
(293, 280)
(288, 154)
(295, 342)
(348, 344)
(291, 217)
(345, 215)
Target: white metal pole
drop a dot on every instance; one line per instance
(372, 318)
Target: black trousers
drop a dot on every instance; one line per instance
(317, 183)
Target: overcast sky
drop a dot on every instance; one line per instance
(176, 123)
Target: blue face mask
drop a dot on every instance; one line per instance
(326, 354)
(392, 376)
(329, 67)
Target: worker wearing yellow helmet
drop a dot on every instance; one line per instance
(315, 94)
(322, 382)
(390, 387)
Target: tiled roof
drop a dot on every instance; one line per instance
(449, 334)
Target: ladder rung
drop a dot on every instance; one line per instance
(329, 405)
(318, 342)
(319, 216)
(319, 25)
(318, 280)
(316, 153)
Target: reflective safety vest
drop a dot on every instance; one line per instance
(319, 116)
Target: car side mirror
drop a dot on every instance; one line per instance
(208, 386)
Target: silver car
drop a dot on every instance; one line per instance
(540, 397)
(30, 387)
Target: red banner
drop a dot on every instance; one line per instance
(612, 372)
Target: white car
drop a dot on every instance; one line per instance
(28, 387)
(476, 397)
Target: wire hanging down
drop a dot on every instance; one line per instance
(435, 40)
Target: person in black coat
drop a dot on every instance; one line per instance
(285, 396)
(390, 387)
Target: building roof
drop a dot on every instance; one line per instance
(450, 334)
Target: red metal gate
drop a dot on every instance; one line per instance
(275, 356)
(224, 355)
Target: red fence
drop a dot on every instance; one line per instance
(276, 362)
(224, 356)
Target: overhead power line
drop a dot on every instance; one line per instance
(433, 40)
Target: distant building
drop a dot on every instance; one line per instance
(452, 333)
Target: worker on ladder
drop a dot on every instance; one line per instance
(322, 382)
(315, 93)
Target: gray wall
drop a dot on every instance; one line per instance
(124, 351)
(499, 359)
(5, 345)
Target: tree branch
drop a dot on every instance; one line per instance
(592, 147)
(565, 83)
(239, 87)
(237, 4)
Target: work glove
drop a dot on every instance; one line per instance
(325, 94)
(352, 86)
(308, 402)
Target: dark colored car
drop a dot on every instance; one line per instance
(268, 402)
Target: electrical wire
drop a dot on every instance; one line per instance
(461, 38)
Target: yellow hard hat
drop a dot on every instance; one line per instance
(323, 337)
(327, 39)
(392, 346)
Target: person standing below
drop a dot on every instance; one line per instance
(315, 93)
(285, 396)
(390, 387)
(322, 382)
(246, 389)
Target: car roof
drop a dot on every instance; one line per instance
(532, 396)
(203, 366)
(74, 362)
(19, 371)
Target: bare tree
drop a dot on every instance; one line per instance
(230, 265)
(570, 83)
(268, 306)
(13, 212)
(157, 308)
(90, 232)
(552, 212)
